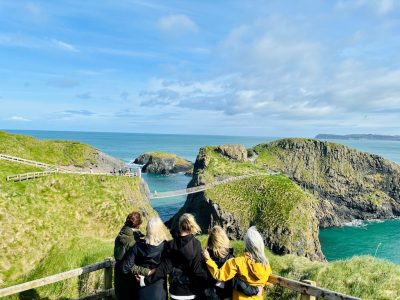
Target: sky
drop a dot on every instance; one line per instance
(257, 68)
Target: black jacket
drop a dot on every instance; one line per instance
(150, 257)
(183, 261)
(226, 291)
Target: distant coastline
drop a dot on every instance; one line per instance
(359, 137)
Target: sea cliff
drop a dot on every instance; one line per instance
(321, 184)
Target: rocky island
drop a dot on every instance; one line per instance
(322, 184)
(163, 163)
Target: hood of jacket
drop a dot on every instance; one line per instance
(184, 245)
(149, 255)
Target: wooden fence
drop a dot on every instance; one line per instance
(30, 175)
(26, 161)
(307, 289)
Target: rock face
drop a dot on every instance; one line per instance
(163, 163)
(99, 163)
(235, 152)
(262, 201)
(324, 184)
(348, 183)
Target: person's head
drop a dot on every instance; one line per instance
(254, 245)
(155, 232)
(187, 224)
(133, 220)
(218, 242)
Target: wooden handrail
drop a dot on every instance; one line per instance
(25, 161)
(305, 288)
(55, 278)
(298, 286)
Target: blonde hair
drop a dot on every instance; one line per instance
(254, 245)
(187, 223)
(218, 242)
(155, 232)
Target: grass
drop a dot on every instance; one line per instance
(179, 161)
(74, 253)
(38, 214)
(54, 214)
(280, 208)
(48, 151)
(363, 276)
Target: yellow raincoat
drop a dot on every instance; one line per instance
(245, 268)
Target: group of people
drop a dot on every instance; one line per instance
(143, 263)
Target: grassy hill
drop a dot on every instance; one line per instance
(48, 151)
(63, 221)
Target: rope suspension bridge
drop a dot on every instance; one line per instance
(201, 188)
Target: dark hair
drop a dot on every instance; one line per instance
(133, 220)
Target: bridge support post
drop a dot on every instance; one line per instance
(108, 276)
(306, 296)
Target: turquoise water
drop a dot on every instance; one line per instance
(381, 239)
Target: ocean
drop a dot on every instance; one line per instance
(380, 239)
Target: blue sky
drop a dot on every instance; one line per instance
(267, 68)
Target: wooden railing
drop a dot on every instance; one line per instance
(108, 291)
(26, 161)
(306, 289)
(52, 169)
(30, 175)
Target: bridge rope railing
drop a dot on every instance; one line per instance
(201, 188)
(307, 289)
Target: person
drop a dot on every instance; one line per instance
(147, 253)
(253, 267)
(220, 252)
(183, 262)
(127, 237)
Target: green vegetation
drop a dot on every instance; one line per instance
(54, 152)
(77, 252)
(274, 203)
(60, 222)
(38, 214)
(179, 161)
(364, 276)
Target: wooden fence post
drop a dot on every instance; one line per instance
(305, 296)
(108, 276)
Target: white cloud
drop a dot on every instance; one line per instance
(64, 46)
(18, 119)
(275, 73)
(176, 24)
